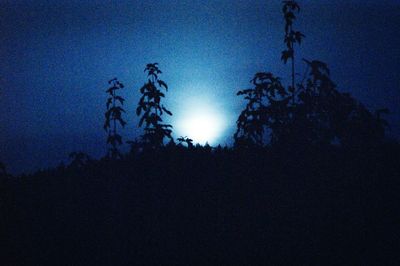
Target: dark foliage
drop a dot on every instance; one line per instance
(150, 105)
(312, 112)
(266, 107)
(186, 140)
(114, 115)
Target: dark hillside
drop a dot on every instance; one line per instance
(221, 207)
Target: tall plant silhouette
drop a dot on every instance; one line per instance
(151, 109)
(113, 117)
(291, 38)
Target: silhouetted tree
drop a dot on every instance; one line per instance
(266, 107)
(317, 114)
(114, 115)
(324, 114)
(151, 109)
(268, 102)
(316, 107)
(188, 141)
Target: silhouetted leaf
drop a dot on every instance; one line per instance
(109, 101)
(138, 110)
(299, 36)
(286, 55)
(167, 111)
(120, 99)
(111, 89)
(162, 84)
(111, 80)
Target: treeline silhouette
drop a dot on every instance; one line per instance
(311, 179)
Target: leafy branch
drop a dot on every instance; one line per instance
(113, 116)
(151, 110)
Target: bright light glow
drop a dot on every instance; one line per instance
(202, 123)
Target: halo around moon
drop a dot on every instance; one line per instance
(202, 122)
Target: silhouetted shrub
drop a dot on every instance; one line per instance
(150, 104)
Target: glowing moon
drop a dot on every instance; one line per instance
(202, 123)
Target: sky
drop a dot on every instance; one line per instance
(57, 56)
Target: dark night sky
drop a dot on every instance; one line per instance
(57, 56)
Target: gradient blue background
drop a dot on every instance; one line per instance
(57, 56)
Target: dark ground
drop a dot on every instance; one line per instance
(181, 207)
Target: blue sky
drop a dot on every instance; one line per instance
(58, 55)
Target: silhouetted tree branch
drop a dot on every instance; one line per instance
(151, 109)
